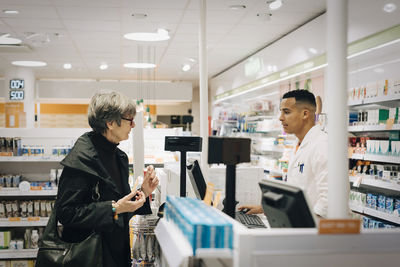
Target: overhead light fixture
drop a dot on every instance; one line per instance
(6, 40)
(264, 16)
(7, 11)
(160, 35)
(312, 50)
(237, 7)
(103, 66)
(186, 67)
(274, 5)
(379, 70)
(389, 7)
(192, 60)
(67, 66)
(29, 63)
(139, 65)
(139, 15)
(272, 68)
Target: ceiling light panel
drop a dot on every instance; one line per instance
(27, 63)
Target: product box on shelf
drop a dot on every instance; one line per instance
(5, 237)
(22, 263)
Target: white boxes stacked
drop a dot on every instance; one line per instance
(203, 226)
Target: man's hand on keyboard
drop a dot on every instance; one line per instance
(252, 209)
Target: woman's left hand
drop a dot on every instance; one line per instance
(150, 181)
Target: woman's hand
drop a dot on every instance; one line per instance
(131, 202)
(252, 209)
(150, 181)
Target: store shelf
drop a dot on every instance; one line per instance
(177, 249)
(15, 192)
(377, 183)
(356, 208)
(32, 159)
(394, 218)
(357, 156)
(24, 222)
(388, 101)
(372, 128)
(355, 103)
(273, 171)
(382, 215)
(272, 148)
(379, 158)
(18, 254)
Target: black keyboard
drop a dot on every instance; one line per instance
(249, 220)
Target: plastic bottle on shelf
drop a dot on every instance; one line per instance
(34, 239)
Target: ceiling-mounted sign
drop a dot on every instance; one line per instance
(17, 84)
(17, 95)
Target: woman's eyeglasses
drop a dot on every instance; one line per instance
(130, 120)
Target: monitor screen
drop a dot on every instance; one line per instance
(197, 180)
(285, 205)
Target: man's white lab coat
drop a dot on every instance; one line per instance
(308, 169)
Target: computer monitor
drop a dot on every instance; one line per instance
(197, 180)
(285, 205)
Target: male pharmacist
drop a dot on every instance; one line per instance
(308, 166)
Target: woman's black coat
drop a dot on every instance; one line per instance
(79, 214)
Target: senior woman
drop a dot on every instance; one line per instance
(95, 158)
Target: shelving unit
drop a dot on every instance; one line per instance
(366, 183)
(32, 169)
(377, 183)
(388, 100)
(32, 159)
(379, 158)
(372, 128)
(15, 192)
(24, 222)
(18, 254)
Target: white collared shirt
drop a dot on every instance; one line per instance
(308, 169)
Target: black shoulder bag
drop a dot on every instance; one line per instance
(53, 251)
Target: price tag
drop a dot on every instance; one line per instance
(33, 219)
(358, 181)
(14, 219)
(389, 124)
(36, 188)
(345, 226)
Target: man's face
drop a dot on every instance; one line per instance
(291, 116)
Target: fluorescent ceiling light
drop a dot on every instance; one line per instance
(6, 40)
(186, 67)
(103, 66)
(29, 63)
(237, 7)
(160, 35)
(379, 70)
(389, 7)
(10, 11)
(312, 50)
(275, 4)
(140, 65)
(139, 15)
(67, 66)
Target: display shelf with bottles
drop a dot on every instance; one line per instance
(30, 168)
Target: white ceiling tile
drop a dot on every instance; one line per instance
(89, 13)
(92, 25)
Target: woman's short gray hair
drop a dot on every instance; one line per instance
(107, 106)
